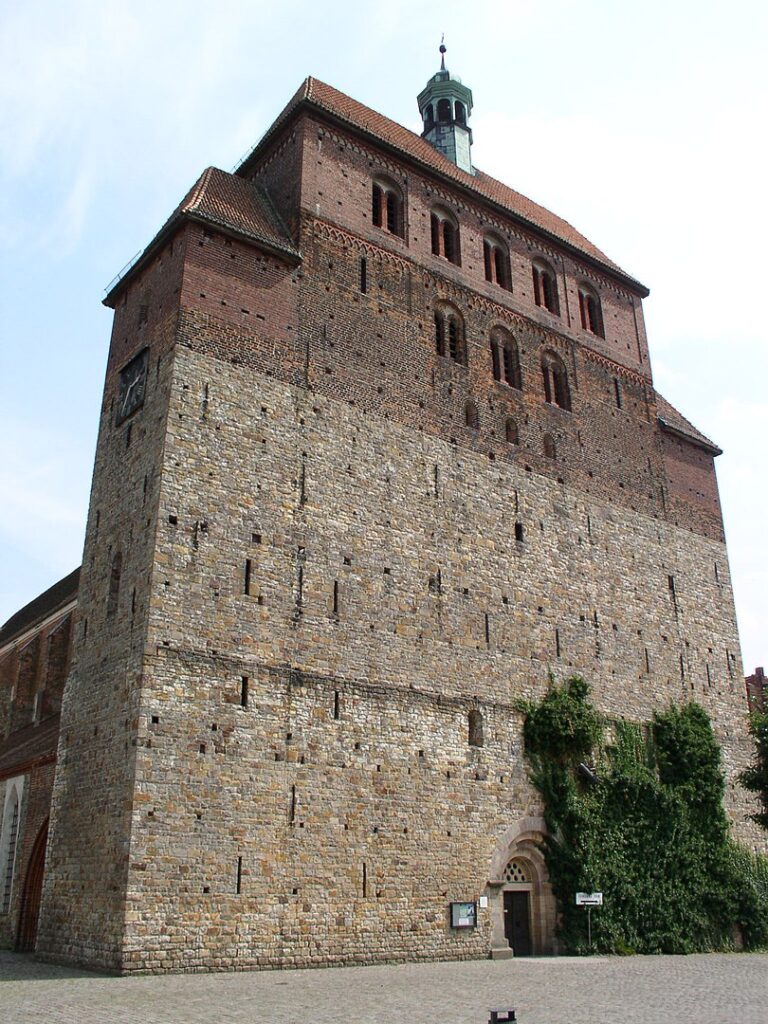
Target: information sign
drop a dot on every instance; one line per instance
(589, 899)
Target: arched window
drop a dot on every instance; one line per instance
(445, 235)
(517, 871)
(10, 832)
(114, 583)
(387, 207)
(475, 728)
(512, 433)
(444, 111)
(505, 358)
(430, 114)
(550, 451)
(545, 287)
(461, 112)
(497, 266)
(591, 310)
(471, 415)
(556, 390)
(449, 334)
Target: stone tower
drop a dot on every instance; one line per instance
(379, 452)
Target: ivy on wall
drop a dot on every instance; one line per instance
(636, 812)
(755, 778)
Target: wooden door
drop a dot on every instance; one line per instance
(31, 894)
(517, 927)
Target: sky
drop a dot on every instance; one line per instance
(641, 124)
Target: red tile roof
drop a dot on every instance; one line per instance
(326, 98)
(229, 201)
(673, 421)
(225, 201)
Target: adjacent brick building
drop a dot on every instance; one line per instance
(379, 454)
(35, 649)
(756, 690)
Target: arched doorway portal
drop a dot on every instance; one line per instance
(523, 908)
(31, 893)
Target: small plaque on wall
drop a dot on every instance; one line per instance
(463, 915)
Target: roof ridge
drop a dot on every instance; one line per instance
(198, 190)
(390, 133)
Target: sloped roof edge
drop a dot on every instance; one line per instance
(40, 607)
(211, 201)
(673, 422)
(337, 106)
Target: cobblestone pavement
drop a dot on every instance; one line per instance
(717, 989)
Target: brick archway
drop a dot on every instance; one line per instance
(31, 893)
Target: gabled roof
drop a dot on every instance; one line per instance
(41, 607)
(222, 201)
(325, 98)
(673, 422)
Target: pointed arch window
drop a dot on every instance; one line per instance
(388, 207)
(556, 388)
(10, 834)
(591, 310)
(498, 269)
(450, 340)
(505, 358)
(545, 287)
(445, 235)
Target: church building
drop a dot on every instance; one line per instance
(380, 455)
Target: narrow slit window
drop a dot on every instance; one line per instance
(475, 728)
(114, 584)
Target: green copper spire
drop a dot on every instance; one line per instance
(445, 105)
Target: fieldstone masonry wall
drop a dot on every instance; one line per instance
(325, 573)
(344, 794)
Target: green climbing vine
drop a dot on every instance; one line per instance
(755, 778)
(636, 812)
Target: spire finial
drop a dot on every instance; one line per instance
(442, 52)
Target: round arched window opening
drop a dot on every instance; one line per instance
(517, 871)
